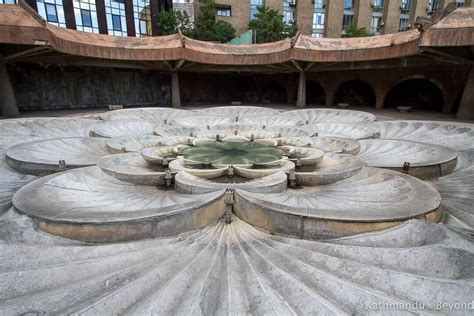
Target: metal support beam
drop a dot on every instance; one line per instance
(175, 91)
(301, 97)
(8, 106)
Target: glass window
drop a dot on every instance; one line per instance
(405, 6)
(460, 3)
(318, 21)
(375, 24)
(348, 4)
(52, 11)
(319, 4)
(404, 24)
(117, 24)
(377, 5)
(115, 14)
(142, 17)
(289, 11)
(433, 6)
(8, 2)
(223, 12)
(254, 4)
(86, 16)
(347, 21)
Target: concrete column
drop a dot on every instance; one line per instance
(363, 14)
(304, 16)
(334, 15)
(391, 16)
(175, 92)
(8, 106)
(301, 97)
(466, 106)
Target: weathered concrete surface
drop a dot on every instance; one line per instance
(458, 136)
(44, 156)
(156, 115)
(123, 128)
(332, 168)
(188, 183)
(122, 144)
(346, 130)
(457, 193)
(132, 168)
(372, 196)
(10, 182)
(89, 205)
(426, 161)
(412, 262)
(312, 116)
(194, 273)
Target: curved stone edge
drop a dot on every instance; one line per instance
(44, 168)
(331, 176)
(188, 183)
(250, 173)
(306, 227)
(10, 182)
(426, 171)
(177, 165)
(168, 224)
(135, 177)
(287, 220)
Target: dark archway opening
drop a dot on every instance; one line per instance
(315, 93)
(421, 94)
(355, 92)
(226, 88)
(274, 92)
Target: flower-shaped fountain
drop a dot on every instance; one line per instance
(325, 203)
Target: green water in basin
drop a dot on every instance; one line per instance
(232, 153)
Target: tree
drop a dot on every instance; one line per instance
(172, 21)
(270, 27)
(208, 29)
(353, 31)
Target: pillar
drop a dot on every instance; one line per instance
(69, 14)
(175, 93)
(129, 18)
(8, 106)
(301, 97)
(101, 17)
(466, 106)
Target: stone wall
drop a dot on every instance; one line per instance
(38, 87)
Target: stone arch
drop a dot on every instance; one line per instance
(355, 92)
(418, 91)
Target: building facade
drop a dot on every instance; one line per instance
(332, 18)
(318, 18)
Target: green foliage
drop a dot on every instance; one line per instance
(353, 31)
(170, 22)
(270, 27)
(208, 29)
